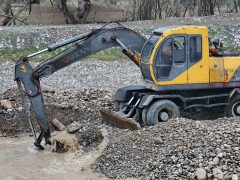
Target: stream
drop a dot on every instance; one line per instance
(19, 159)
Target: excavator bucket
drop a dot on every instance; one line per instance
(119, 121)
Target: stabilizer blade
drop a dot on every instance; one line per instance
(118, 121)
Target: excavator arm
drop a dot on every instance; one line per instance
(28, 79)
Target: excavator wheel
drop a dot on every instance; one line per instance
(144, 116)
(160, 111)
(233, 108)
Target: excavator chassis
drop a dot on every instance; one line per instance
(140, 105)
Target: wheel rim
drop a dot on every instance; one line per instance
(164, 115)
(236, 109)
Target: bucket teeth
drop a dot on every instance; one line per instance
(118, 121)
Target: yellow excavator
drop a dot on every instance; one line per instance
(181, 68)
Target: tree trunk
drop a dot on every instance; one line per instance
(145, 10)
(134, 10)
(67, 13)
(211, 7)
(6, 6)
(200, 8)
(83, 10)
(236, 6)
(176, 8)
(6, 11)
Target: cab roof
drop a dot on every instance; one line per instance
(161, 30)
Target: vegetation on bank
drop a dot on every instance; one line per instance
(14, 55)
(228, 35)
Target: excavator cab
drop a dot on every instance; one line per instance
(171, 52)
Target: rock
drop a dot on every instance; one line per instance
(20, 109)
(58, 124)
(236, 148)
(158, 140)
(212, 154)
(9, 110)
(73, 127)
(6, 104)
(218, 150)
(220, 155)
(217, 136)
(215, 160)
(226, 146)
(201, 174)
(228, 177)
(107, 97)
(225, 167)
(219, 176)
(75, 107)
(237, 130)
(235, 177)
(217, 173)
(209, 175)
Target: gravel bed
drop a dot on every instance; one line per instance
(171, 150)
(174, 150)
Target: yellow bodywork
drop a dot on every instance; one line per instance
(231, 65)
(207, 70)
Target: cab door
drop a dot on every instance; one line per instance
(170, 63)
(198, 62)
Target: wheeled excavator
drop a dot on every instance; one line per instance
(175, 62)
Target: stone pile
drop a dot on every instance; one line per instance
(178, 149)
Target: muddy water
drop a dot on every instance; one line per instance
(20, 160)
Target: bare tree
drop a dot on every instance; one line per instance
(64, 7)
(176, 8)
(236, 6)
(83, 10)
(6, 12)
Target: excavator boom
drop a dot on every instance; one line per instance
(28, 79)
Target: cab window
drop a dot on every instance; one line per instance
(179, 50)
(165, 55)
(164, 60)
(195, 49)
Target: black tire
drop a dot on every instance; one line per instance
(144, 116)
(161, 111)
(233, 108)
